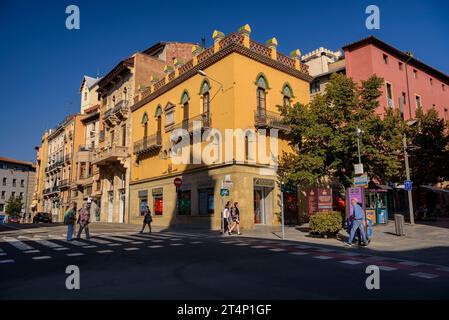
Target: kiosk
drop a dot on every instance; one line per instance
(377, 205)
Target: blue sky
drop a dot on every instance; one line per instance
(43, 62)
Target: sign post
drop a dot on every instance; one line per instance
(178, 183)
(226, 184)
(282, 210)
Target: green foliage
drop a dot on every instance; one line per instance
(325, 222)
(14, 206)
(323, 134)
(429, 153)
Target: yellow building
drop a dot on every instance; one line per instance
(41, 162)
(237, 84)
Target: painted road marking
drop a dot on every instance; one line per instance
(105, 251)
(410, 263)
(47, 243)
(259, 247)
(75, 254)
(61, 249)
(135, 238)
(153, 247)
(18, 244)
(115, 238)
(78, 243)
(91, 246)
(386, 268)
(350, 254)
(325, 250)
(41, 257)
(31, 251)
(322, 257)
(303, 246)
(277, 250)
(424, 275)
(298, 253)
(2, 254)
(114, 244)
(100, 241)
(7, 261)
(196, 242)
(176, 244)
(351, 262)
(131, 249)
(136, 242)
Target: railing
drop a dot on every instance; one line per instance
(52, 189)
(149, 143)
(101, 135)
(205, 54)
(118, 107)
(260, 48)
(67, 157)
(103, 154)
(54, 165)
(63, 183)
(187, 124)
(84, 148)
(269, 119)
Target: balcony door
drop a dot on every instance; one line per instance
(110, 205)
(122, 207)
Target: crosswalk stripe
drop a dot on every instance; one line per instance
(7, 261)
(115, 238)
(131, 249)
(31, 251)
(2, 254)
(136, 238)
(114, 244)
(298, 253)
(75, 254)
(18, 244)
(41, 257)
(153, 247)
(100, 241)
(47, 243)
(386, 268)
(351, 262)
(277, 250)
(424, 275)
(105, 251)
(323, 257)
(78, 243)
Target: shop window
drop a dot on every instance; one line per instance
(143, 202)
(184, 202)
(158, 204)
(206, 201)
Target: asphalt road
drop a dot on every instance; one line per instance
(118, 263)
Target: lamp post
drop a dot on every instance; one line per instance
(407, 173)
(358, 132)
(204, 74)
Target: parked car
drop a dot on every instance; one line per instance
(13, 219)
(42, 217)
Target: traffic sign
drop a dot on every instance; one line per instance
(177, 182)
(224, 192)
(408, 185)
(361, 180)
(227, 184)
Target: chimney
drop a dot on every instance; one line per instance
(203, 42)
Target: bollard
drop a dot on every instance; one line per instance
(399, 224)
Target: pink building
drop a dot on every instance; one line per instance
(408, 81)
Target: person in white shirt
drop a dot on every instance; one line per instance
(226, 215)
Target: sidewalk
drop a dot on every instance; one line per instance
(427, 242)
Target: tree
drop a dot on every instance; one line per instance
(323, 135)
(429, 154)
(14, 206)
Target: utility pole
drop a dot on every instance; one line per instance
(358, 132)
(282, 210)
(407, 172)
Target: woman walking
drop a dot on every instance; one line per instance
(147, 219)
(69, 221)
(226, 215)
(235, 216)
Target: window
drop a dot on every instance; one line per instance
(13, 194)
(21, 195)
(389, 96)
(431, 81)
(400, 64)
(443, 87)
(205, 88)
(315, 86)
(170, 117)
(4, 181)
(385, 59)
(13, 182)
(261, 93)
(145, 125)
(206, 201)
(184, 202)
(158, 202)
(124, 135)
(1, 207)
(415, 74)
(3, 194)
(112, 137)
(404, 100)
(418, 101)
(85, 96)
(143, 202)
(22, 183)
(287, 92)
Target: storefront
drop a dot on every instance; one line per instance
(263, 201)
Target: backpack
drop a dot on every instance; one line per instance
(68, 217)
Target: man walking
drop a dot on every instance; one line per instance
(83, 221)
(69, 220)
(357, 224)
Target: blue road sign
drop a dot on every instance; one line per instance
(408, 185)
(224, 192)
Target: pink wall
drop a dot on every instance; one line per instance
(362, 62)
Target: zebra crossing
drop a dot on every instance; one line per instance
(55, 245)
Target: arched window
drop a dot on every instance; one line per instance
(125, 91)
(158, 115)
(288, 94)
(205, 88)
(185, 103)
(145, 124)
(261, 94)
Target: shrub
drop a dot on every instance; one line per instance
(326, 223)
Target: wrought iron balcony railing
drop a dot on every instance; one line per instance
(268, 119)
(149, 143)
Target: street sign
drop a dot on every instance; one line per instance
(224, 192)
(227, 184)
(177, 182)
(408, 185)
(361, 180)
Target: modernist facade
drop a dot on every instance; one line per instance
(237, 85)
(17, 180)
(409, 83)
(118, 89)
(41, 164)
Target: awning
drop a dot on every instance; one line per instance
(435, 189)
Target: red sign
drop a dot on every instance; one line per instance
(178, 182)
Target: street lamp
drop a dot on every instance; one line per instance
(358, 132)
(407, 173)
(204, 74)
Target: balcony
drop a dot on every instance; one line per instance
(102, 156)
(54, 166)
(68, 158)
(84, 154)
(187, 124)
(84, 180)
(101, 135)
(148, 144)
(264, 119)
(49, 191)
(116, 114)
(63, 184)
